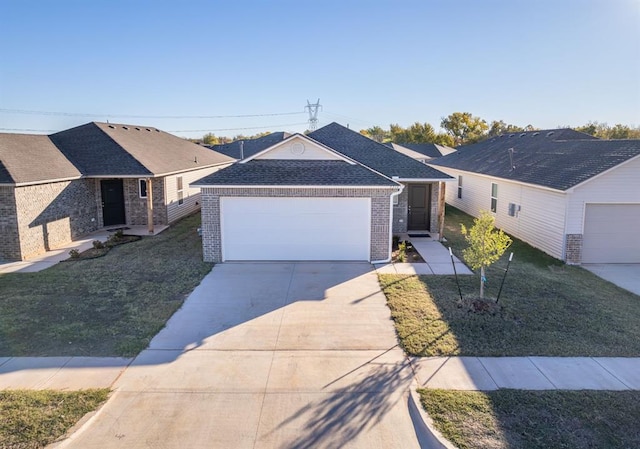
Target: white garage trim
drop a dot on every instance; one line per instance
(295, 228)
(611, 233)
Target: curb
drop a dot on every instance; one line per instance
(428, 436)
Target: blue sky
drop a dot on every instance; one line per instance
(543, 62)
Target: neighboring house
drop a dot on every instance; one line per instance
(573, 196)
(422, 152)
(54, 189)
(331, 195)
(242, 149)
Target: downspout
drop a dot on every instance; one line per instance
(388, 259)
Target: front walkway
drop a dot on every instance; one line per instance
(437, 260)
(50, 258)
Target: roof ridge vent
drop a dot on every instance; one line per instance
(137, 129)
(535, 134)
(148, 129)
(510, 150)
(112, 127)
(523, 134)
(550, 133)
(511, 135)
(125, 127)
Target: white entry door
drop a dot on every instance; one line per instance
(267, 228)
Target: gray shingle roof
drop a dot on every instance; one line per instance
(374, 155)
(539, 159)
(295, 172)
(103, 149)
(27, 158)
(250, 146)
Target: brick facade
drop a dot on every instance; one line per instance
(136, 208)
(573, 248)
(211, 230)
(9, 237)
(51, 215)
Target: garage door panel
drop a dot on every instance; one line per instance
(611, 233)
(295, 228)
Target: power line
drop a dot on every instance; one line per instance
(81, 114)
(173, 130)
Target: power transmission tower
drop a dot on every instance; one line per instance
(313, 114)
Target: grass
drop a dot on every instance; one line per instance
(108, 306)
(33, 419)
(546, 308)
(536, 419)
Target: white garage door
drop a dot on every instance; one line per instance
(295, 228)
(611, 233)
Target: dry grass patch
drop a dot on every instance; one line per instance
(33, 419)
(107, 306)
(517, 419)
(546, 308)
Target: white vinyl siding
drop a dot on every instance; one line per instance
(620, 185)
(539, 222)
(190, 195)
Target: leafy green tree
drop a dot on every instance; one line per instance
(210, 139)
(486, 244)
(464, 127)
(500, 127)
(376, 133)
(416, 133)
(445, 140)
(604, 131)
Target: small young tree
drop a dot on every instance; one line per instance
(486, 244)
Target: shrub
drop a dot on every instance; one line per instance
(402, 251)
(74, 254)
(97, 244)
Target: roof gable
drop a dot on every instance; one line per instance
(298, 147)
(28, 158)
(374, 155)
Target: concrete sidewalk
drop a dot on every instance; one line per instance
(437, 261)
(60, 373)
(528, 373)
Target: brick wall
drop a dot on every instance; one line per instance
(401, 212)
(573, 248)
(52, 215)
(136, 208)
(211, 234)
(9, 240)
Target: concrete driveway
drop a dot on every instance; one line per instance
(625, 275)
(266, 355)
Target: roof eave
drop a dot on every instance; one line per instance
(271, 186)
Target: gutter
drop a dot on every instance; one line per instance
(388, 259)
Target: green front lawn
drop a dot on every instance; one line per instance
(546, 308)
(536, 419)
(109, 306)
(33, 419)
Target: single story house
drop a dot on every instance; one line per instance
(573, 196)
(422, 152)
(330, 195)
(244, 148)
(57, 188)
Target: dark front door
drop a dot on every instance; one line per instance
(112, 202)
(419, 207)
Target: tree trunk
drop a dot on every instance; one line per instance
(481, 282)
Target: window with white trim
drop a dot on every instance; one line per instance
(396, 200)
(460, 186)
(494, 197)
(142, 188)
(180, 191)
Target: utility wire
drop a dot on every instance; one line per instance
(79, 114)
(173, 130)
